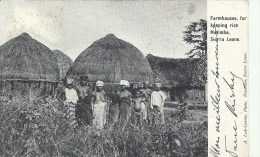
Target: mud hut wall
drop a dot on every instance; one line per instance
(24, 88)
(193, 94)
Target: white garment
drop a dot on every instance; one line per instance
(99, 114)
(157, 99)
(71, 95)
(144, 110)
(70, 114)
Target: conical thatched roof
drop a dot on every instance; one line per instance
(181, 72)
(24, 58)
(111, 59)
(64, 62)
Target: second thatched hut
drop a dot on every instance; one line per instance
(111, 59)
(64, 62)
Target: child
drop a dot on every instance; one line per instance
(139, 109)
(99, 105)
(146, 94)
(71, 98)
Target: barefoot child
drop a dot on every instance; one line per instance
(146, 94)
(139, 109)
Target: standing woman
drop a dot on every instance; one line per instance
(124, 103)
(99, 106)
(84, 113)
(71, 98)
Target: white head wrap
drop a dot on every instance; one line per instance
(69, 81)
(158, 84)
(124, 83)
(99, 83)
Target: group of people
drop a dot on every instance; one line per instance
(90, 106)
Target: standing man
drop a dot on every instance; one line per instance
(157, 103)
(146, 94)
(84, 110)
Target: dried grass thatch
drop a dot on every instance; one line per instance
(111, 59)
(24, 58)
(181, 72)
(64, 62)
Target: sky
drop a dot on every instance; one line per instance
(154, 27)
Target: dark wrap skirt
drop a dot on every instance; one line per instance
(84, 112)
(124, 111)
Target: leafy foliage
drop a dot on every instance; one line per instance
(196, 34)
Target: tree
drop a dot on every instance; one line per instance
(196, 34)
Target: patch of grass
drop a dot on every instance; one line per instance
(36, 128)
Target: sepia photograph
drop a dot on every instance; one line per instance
(103, 78)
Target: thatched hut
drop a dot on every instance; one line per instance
(111, 59)
(64, 62)
(27, 65)
(180, 77)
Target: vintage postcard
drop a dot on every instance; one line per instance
(124, 78)
(254, 84)
(228, 57)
